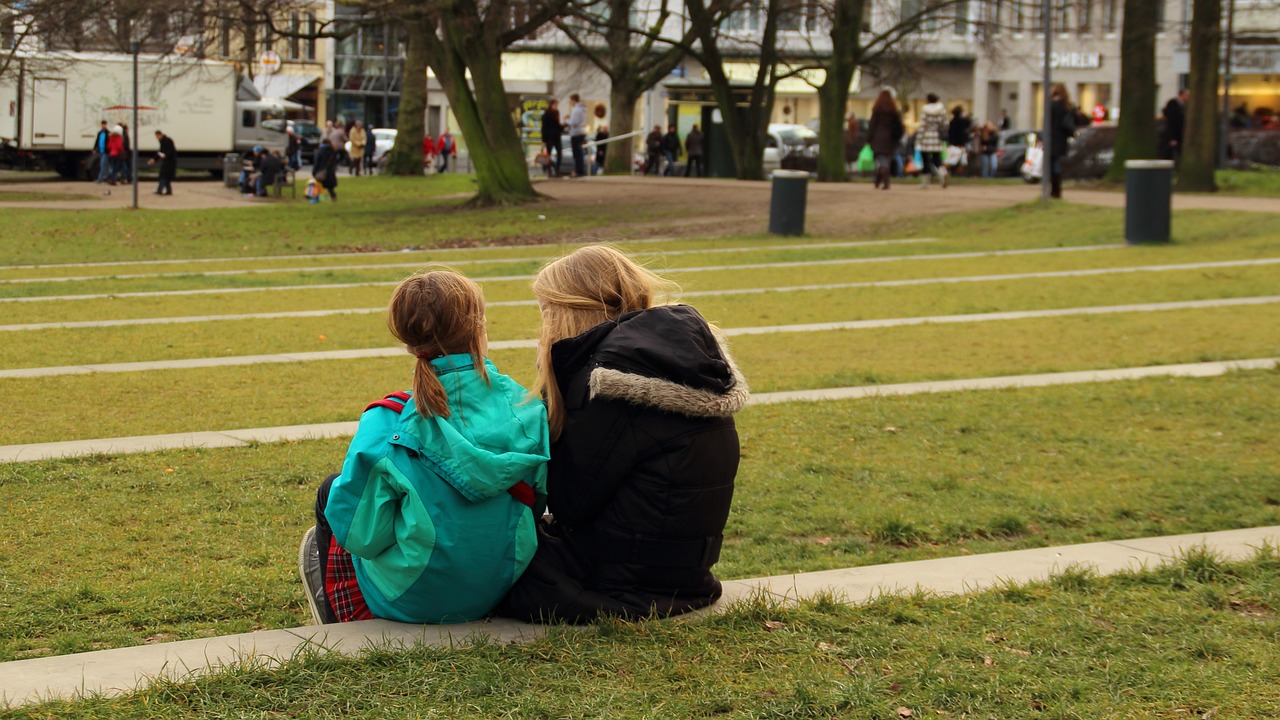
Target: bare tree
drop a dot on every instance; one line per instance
(1199, 145)
(1136, 131)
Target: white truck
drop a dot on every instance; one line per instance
(51, 108)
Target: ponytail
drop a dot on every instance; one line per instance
(434, 314)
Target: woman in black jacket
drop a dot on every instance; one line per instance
(884, 133)
(1062, 126)
(640, 399)
(552, 130)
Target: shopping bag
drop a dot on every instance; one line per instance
(866, 159)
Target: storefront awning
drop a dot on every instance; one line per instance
(281, 85)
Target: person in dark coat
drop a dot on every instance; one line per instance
(670, 149)
(653, 151)
(640, 402)
(602, 149)
(693, 150)
(270, 167)
(1062, 126)
(1175, 119)
(325, 169)
(884, 133)
(167, 157)
(552, 132)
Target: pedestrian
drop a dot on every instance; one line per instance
(602, 149)
(167, 157)
(959, 132)
(358, 139)
(552, 132)
(653, 151)
(852, 144)
(269, 169)
(931, 139)
(988, 145)
(115, 154)
(434, 514)
(578, 134)
(445, 147)
(338, 140)
(640, 402)
(327, 134)
(100, 150)
(1005, 122)
(428, 153)
(293, 148)
(693, 151)
(370, 154)
(670, 149)
(884, 134)
(325, 169)
(1175, 117)
(1062, 125)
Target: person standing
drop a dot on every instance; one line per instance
(115, 154)
(552, 132)
(1005, 122)
(168, 159)
(370, 153)
(884, 133)
(958, 135)
(1062, 125)
(428, 153)
(988, 144)
(931, 140)
(852, 145)
(670, 149)
(126, 155)
(602, 149)
(445, 147)
(578, 134)
(293, 148)
(653, 151)
(325, 169)
(693, 149)
(338, 139)
(358, 140)
(1175, 118)
(100, 149)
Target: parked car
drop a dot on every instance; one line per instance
(793, 147)
(1011, 150)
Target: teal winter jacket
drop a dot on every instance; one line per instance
(432, 508)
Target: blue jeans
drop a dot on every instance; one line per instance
(104, 167)
(988, 165)
(577, 145)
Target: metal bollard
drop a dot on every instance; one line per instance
(786, 207)
(1148, 193)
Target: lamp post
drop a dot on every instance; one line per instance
(133, 162)
(1046, 161)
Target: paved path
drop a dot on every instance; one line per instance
(245, 437)
(115, 672)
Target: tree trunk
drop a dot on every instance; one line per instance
(1199, 140)
(833, 99)
(1136, 133)
(405, 157)
(622, 102)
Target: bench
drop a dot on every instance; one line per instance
(288, 177)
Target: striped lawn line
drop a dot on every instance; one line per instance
(241, 438)
(420, 263)
(515, 278)
(700, 293)
(360, 353)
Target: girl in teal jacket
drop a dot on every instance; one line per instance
(432, 517)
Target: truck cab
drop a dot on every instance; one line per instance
(260, 122)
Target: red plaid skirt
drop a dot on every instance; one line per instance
(340, 585)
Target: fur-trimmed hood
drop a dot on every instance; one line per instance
(666, 358)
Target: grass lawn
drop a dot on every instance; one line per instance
(1263, 182)
(211, 534)
(1192, 639)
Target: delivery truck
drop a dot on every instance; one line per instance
(51, 108)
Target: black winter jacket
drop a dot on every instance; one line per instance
(641, 478)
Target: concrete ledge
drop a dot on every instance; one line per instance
(116, 672)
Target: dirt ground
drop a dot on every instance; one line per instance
(682, 205)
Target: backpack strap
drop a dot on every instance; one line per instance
(394, 402)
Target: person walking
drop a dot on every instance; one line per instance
(853, 145)
(931, 139)
(293, 148)
(653, 151)
(602, 149)
(359, 138)
(1062, 126)
(552, 133)
(338, 140)
(959, 132)
(445, 147)
(578, 135)
(670, 150)
(100, 149)
(693, 150)
(167, 157)
(884, 133)
(126, 155)
(324, 169)
(1175, 119)
(370, 153)
(115, 154)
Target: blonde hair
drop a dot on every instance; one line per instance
(590, 286)
(437, 313)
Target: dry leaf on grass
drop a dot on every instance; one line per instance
(772, 625)
(823, 541)
(988, 661)
(905, 712)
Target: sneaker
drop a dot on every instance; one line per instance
(312, 584)
(945, 173)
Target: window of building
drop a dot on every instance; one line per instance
(311, 36)
(295, 43)
(746, 17)
(224, 39)
(1062, 18)
(1086, 16)
(919, 12)
(1109, 15)
(960, 26)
